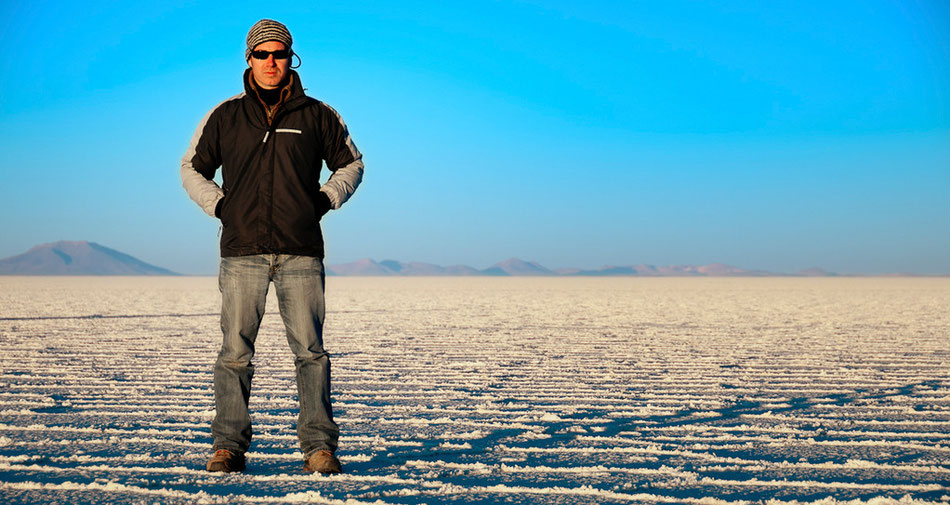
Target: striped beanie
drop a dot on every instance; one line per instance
(265, 30)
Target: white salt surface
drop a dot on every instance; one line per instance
(492, 390)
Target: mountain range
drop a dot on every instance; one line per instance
(516, 267)
(90, 258)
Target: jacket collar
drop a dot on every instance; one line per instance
(292, 90)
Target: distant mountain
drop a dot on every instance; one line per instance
(515, 266)
(77, 258)
(364, 266)
(367, 267)
(460, 270)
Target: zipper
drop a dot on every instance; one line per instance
(271, 153)
(270, 115)
(270, 207)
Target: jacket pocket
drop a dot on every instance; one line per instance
(222, 207)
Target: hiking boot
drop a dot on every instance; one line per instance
(226, 461)
(323, 462)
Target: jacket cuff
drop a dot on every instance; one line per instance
(217, 208)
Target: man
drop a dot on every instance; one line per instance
(270, 142)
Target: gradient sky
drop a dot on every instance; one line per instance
(771, 135)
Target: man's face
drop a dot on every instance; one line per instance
(269, 72)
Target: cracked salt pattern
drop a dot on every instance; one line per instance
(492, 390)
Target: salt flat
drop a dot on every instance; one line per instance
(492, 390)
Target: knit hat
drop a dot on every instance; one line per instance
(266, 30)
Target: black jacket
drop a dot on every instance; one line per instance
(271, 200)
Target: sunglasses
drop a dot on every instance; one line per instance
(282, 54)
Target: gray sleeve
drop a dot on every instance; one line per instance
(199, 165)
(344, 160)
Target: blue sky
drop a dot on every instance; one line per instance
(772, 135)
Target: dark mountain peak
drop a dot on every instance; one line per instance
(77, 257)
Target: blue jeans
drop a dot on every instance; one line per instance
(243, 281)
